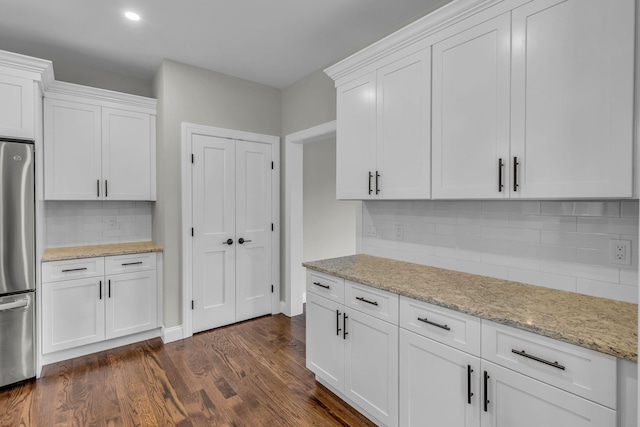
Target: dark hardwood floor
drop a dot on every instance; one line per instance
(248, 374)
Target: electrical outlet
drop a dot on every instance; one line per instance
(398, 232)
(620, 252)
(111, 221)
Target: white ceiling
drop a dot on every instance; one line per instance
(274, 42)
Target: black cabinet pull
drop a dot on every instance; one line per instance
(538, 359)
(109, 289)
(370, 176)
(367, 301)
(100, 289)
(515, 174)
(106, 188)
(321, 285)
(132, 263)
(425, 320)
(344, 326)
(338, 329)
(377, 178)
(241, 241)
(500, 166)
(469, 393)
(74, 269)
(486, 398)
(98, 187)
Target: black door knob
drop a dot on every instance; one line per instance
(241, 240)
(229, 242)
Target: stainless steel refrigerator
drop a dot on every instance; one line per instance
(17, 262)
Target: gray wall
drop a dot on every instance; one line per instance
(79, 74)
(194, 95)
(329, 224)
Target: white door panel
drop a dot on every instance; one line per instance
(253, 216)
(214, 224)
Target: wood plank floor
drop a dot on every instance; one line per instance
(248, 374)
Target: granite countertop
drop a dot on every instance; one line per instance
(75, 252)
(599, 324)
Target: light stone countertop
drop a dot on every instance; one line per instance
(599, 324)
(76, 252)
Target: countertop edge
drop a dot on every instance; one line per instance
(92, 251)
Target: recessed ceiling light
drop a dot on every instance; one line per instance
(133, 16)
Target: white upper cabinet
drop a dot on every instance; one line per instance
(471, 112)
(572, 98)
(17, 107)
(94, 151)
(73, 168)
(22, 79)
(126, 154)
(356, 136)
(383, 132)
(526, 99)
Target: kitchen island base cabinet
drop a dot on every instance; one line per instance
(515, 400)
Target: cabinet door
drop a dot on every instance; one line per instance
(572, 105)
(17, 107)
(516, 400)
(356, 139)
(471, 75)
(131, 303)
(403, 132)
(72, 158)
(439, 385)
(126, 155)
(371, 366)
(325, 340)
(73, 314)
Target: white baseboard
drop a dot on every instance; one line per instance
(284, 309)
(172, 334)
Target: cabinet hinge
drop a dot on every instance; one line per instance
(192, 305)
(271, 288)
(193, 159)
(192, 232)
(271, 226)
(271, 165)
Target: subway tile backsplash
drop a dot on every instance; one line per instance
(557, 244)
(90, 223)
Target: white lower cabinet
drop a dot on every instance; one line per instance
(79, 310)
(515, 400)
(439, 385)
(356, 355)
(442, 368)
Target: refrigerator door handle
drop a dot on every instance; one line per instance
(14, 304)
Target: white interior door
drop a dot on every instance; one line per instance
(214, 192)
(253, 230)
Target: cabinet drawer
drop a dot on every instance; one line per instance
(130, 263)
(55, 271)
(330, 287)
(581, 371)
(375, 302)
(449, 327)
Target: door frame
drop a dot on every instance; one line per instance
(294, 272)
(188, 130)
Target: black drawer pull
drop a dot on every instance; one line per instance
(370, 176)
(367, 301)
(425, 320)
(537, 359)
(500, 166)
(338, 329)
(321, 285)
(515, 173)
(132, 263)
(74, 269)
(344, 326)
